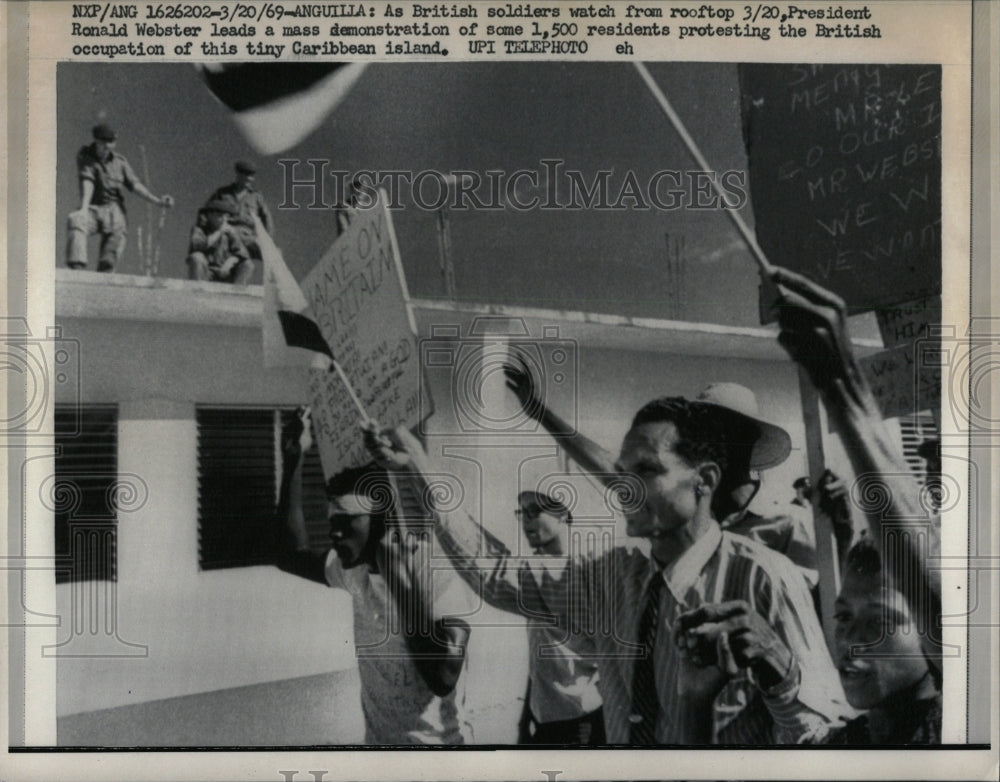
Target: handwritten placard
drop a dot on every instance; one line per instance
(845, 175)
(903, 324)
(358, 296)
(905, 379)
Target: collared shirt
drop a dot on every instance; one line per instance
(398, 706)
(249, 202)
(790, 534)
(599, 593)
(109, 175)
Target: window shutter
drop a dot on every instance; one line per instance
(237, 487)
(86, 474)
(915, 429)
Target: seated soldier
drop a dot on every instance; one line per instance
(215, 251)
(248, 203)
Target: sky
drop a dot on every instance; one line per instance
(677, 263)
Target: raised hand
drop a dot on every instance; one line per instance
(813, 327)
(521, 382)
(298, 439)
(395, 449)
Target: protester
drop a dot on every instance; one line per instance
(802, 487)
(104, 175)
(626, 598)
(888, 612)
(753, 444)
(834, 502)
(248, 203)
(562, 705)
(409, 636)
(215, 252)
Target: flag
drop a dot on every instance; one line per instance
(276, 105)
(291, 336)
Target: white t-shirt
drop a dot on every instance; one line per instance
(398, 705)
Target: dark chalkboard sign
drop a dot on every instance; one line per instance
(845, 175)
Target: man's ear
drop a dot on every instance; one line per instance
(711, 476)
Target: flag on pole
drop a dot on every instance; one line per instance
(291, 336)
(276, 105)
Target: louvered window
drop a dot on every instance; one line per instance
(915, 430)
(83, 493)
(239, 474)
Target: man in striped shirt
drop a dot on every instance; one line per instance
(775, 683)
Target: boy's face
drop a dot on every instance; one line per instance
(215, 219)
(875, 616)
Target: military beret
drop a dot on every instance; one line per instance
(221, 205)
(245, 167)
(104, 132)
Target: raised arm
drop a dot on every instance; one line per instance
(814, 332)
(435, 636)
(504, 581)
(588, 454)
(298, 559)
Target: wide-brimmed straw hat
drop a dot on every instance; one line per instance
(773, 445)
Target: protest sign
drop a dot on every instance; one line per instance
(357, 293)
(845, 175)
(905, 323)
(905, 379)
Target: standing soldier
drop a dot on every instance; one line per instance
(103, 175)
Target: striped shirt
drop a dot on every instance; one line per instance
(597, 591)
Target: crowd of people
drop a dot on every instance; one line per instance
(223, 244)
(703, 628)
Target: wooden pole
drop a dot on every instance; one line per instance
(444, 243)
(350, 391)
(826, 546)
(675, 120)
